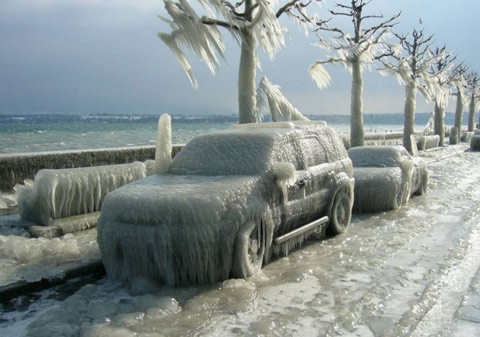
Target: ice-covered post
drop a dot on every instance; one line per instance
(354, 52)
(252, 23)
(163, 149)
(412, 69)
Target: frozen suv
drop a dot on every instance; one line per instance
(230, 201)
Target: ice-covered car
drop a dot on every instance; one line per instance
(386, 177)
(230, 201)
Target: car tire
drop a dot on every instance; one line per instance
(249, 250)
(340, 215)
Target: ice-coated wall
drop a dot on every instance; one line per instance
(15, 168)
(66, 192)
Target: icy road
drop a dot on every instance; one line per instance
(409, 272)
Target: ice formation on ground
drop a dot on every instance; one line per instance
(386, 177)
(271, 99)
(182, 227)
(66, 192)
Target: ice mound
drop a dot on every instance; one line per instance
(25, 250)
(66, 192)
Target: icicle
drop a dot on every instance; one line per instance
(319, 75)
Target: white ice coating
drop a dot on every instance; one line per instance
(271, 99)
(182, 227)
(66, 192)
(163, 149)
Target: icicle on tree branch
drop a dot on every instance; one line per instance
(271, 99)
(250, 22)
(355, 53)
(412, 70)
(473, 80)
(442, 69)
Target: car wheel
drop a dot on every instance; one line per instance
(340, 215)
(249, 250)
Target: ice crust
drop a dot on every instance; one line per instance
(180, 228)
(66, 192)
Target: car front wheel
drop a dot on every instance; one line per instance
(249, 250)
(341, 214)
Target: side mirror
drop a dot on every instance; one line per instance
(284, 175)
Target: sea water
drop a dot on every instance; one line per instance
(34, 133)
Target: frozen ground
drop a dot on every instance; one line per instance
(410, 272)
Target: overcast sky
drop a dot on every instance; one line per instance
(103, 56)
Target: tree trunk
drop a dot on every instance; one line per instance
(356, 107)
(247, 104)
(471, 115)
(409, 114)
(439, 123)
(459, 113)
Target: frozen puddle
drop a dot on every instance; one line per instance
(410, 272)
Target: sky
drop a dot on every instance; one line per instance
(104, 56)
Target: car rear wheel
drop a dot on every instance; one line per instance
(249, 250)
(341, 214)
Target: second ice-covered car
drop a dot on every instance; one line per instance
(386, 177)
(231, 200)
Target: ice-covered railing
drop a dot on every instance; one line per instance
(66, 192)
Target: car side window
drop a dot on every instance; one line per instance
(314, 152)
(290, 151)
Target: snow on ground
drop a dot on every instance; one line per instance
(410, 272)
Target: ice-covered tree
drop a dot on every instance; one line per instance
(459, 81)
(473, 80)
(443, 65)
(251, 22)
(355, 52)
(412, 69)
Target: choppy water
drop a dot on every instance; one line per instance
(62, 132)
